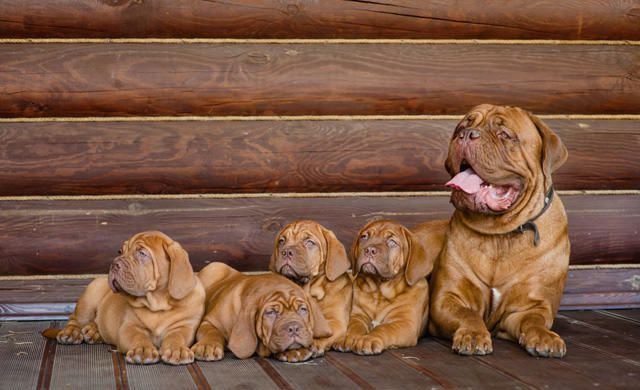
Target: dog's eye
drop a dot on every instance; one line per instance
(364, 237)
(271, 313)
(142, 255)
(302, 310)
(309, 243)
(281, 240)
(503, 134)
(119, 251)
(392, 243)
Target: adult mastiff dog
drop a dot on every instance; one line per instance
(506, 253)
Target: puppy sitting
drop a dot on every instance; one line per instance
(310, 255)
(151, 299)
(267, 314)
(390, 292)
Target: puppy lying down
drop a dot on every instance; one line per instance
(149, 306)
(264, 314)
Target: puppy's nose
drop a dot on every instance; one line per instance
(293, 328)
(370, 251)
(287, 252)
(469, 134)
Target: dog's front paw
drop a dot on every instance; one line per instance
(368, 345)
(90, 334)
(176, 355)
(208, 352)
(319, 347)
(344, 344)
(294, 355)
(143, 354)
(542, 342)
(472, 342)
(71, 334)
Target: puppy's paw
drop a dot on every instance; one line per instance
(472, 342)
(176, 355)
(71, 334)
(344, 344)
(143, 354)
(368, 345)
(294, 355)
(208, 352)
(90, 334)
(319, 347)
(542, 342)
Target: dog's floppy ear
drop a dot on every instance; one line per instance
(336, 261)
(554, 153)
(355, 249)
(274, 253)
(243, 339)
(321, 327)
(182, 280)
(418, 266)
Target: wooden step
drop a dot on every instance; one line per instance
(67, 79)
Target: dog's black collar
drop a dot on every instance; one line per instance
(531, 224)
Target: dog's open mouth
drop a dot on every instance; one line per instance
(495, 197)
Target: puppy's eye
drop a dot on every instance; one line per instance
(281, 240)
(392, 243)
(364, 237)
(309, 243)
(119, 251)
(503, 134)
(302, 310)
(271, 313)
(142, 254)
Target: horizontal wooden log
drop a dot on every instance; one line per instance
(592, 19)
(61, 158)
(55, 298)
(83, 236)
(308, 79)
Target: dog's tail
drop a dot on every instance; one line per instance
(51, 333)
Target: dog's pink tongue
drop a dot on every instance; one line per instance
(466, 181)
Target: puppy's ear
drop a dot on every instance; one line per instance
(181, 277)
(355, 249)
(554, 153)
(418, 266)
(274, 254)
(243, 339)
(336, 260)
(321, 327)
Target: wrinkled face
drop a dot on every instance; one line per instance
(137, 269)
(299, 251)
(380, 249)
(493, 156)
(285, 322)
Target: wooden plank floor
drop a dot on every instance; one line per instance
(602, 346)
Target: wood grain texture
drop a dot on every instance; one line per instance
(592, 19)
(277, 156)
(314, 79)
(61, 237)
(584, 289)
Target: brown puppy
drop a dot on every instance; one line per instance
(267, 314)
(151, 299)
(310, 255)
(506, 255)
(390, 291)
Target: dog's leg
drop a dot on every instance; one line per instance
(358, 327)
(81, 325)
(531, 328)
(210, 345)
(460, 321)
(137, 343)
(175, 345)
